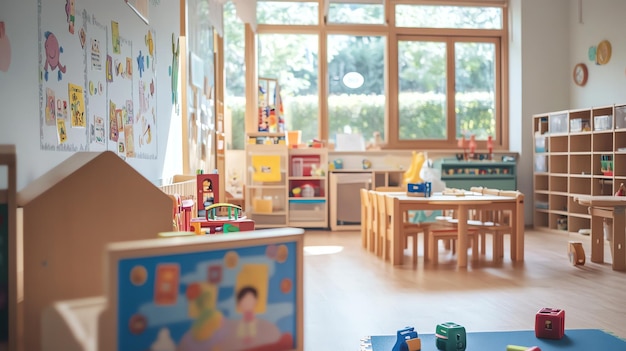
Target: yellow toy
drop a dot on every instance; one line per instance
(412, 175)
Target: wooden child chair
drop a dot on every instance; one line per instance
(367, 221)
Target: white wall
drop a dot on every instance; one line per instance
(539, 50)
(547, 40)
(19, 96)
(601, 19)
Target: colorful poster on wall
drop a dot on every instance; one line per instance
(95, 79)
(145, 112)
(77, 105)
(87, 66)
(120, 89)
(232, 299)
(61, 71)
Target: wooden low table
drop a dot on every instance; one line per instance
(461, 204)
(601, 207)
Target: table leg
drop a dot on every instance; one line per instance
(619, 239)
(597, 238)
(396, 244)
(462, 237)
(517, 237)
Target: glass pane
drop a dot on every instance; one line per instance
(356, 81)
(475, 90)
(292, 59)
(235, 79)
(356, 13)
(422, 90)
(285, 12)
(466, 17)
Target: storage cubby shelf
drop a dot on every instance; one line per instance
(577, 152)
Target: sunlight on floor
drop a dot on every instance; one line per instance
(322, 250)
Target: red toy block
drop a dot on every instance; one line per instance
(550, 323)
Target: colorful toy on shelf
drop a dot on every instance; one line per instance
(463, 145)
(412, 175)
(407, 340)
(606, 165)
(472, 147)
(550, 323)
(522, 348)
(490, 147)
(450, 337)
(621, 191)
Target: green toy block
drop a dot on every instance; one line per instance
(450, 337)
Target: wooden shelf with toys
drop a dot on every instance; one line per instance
(577, 152)
(308, 187)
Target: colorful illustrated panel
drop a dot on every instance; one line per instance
(227, 300)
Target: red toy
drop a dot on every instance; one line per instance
(550, 323)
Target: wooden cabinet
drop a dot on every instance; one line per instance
(489, 174)
(577, 152)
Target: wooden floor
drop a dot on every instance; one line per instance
(349, 293)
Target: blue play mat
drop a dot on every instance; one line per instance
(574, 339)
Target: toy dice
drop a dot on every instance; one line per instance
(450, 337)
(550, 323)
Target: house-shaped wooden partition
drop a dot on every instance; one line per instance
(68, 217)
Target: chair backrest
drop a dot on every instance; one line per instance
(366, 209)
(374, 210)
(383, 216)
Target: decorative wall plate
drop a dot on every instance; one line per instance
(603, 52)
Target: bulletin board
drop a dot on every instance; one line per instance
(229, 295)
(97, 84)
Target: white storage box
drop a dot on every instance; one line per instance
(558, 123)
(603, 122)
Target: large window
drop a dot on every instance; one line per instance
(292, 59)
(422, 90)
(422, 75)
(234, 78)
(356, 85)
(447, 89)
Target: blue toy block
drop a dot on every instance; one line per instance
(450, 337)
(407, 340)
(417, 189)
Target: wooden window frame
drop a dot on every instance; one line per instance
(393, 35)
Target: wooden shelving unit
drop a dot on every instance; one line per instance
(266, 197)
(308, 173)
(569, 149)
(272, 203)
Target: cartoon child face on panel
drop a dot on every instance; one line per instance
(247, 299)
